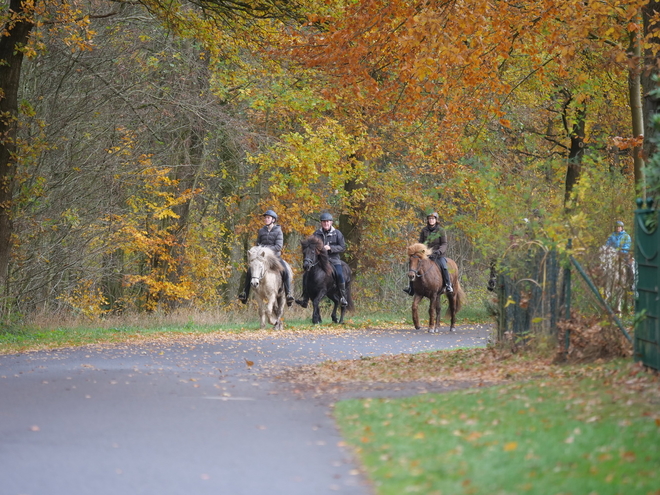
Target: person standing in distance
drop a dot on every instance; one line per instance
(619, 239)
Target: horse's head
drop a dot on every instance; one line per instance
(416, 253)
(258, 261)
(312, 250)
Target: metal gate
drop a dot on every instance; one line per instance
(647, 302)
(528, 291)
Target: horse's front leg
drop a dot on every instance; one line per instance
(451, 300)
(316, 314)
(433, 308)
(262, 314)
(270, 309)
(415, 310)
(334, 312)
(438, 313)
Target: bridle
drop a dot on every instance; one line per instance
(418, 273)
(311, 263)
(262, 269)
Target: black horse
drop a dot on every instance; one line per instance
(320, 281)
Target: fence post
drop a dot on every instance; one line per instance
(567, 299)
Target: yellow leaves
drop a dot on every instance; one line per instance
(510, 446)
(87, 300)
(311, 167)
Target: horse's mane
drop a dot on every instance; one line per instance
(317, 244)
(271, 259)
(420, 249)
(312, 240)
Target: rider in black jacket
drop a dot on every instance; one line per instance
(334, 244)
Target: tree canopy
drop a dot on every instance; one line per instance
(139, 142)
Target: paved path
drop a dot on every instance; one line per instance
(185, 417)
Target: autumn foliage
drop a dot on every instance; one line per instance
(149, 137)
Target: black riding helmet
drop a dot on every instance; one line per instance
(325, 216)
(270, 213)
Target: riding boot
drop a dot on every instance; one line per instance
(287, 288)
(303, 299)
(342, 293)
(409, 290)
(448, 288)
(243, 296)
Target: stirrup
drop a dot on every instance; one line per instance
(289, 300)
(343, 302)
(243, 297)
(449, 289)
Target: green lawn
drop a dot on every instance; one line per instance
(593, 433)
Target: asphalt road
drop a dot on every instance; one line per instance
(189, 417)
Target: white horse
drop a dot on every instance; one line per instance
(618, 276)
(267, 285)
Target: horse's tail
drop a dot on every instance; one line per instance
(459, 297)
(348, 274)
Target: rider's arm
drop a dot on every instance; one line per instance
(625, 243)
(279, 241)
(340, 245)
(422, 236)
(442, 244)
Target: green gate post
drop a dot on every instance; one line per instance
(647, 292)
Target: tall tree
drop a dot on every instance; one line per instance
(17, 24)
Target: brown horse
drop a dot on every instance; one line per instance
(427, 282)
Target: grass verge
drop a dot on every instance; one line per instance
(50, 333)
(589, 429)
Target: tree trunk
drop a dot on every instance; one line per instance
(351, 229)
(651, 103)
(576, 152)
(14, 36)
(635, 98)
